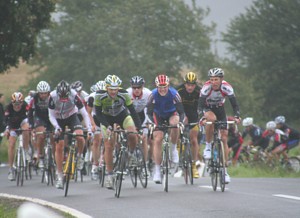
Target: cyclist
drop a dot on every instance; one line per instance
(189, 92)
(78, 87)
(15, 118)
(255, 132)
(64, 103)
(95, 127)
(211, 108)
(113, 105)
(139, 96)
(164, 106)
(30, 95)
(38, 117)
(2, 124)
(292, 134)
(235, 140)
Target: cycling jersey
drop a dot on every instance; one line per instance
(165, 106)
(13, 119)
(107, 106)
(278, 138)
(90, 102)
(38, 109)
(290, 132)
(210, 98)
(190, 102)
(254, 132)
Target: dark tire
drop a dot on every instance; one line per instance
(222, 164)
(187, 166)
(119, 173)
(141, 168)
(68, 173)
(166, 168)
(214, 170)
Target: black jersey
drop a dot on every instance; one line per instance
(38, 108)
(13, 119)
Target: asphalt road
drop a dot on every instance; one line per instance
(259, 197)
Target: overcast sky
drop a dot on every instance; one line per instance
(222, 12)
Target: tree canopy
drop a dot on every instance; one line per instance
(265, 44)
(20, 23)
(94, 38)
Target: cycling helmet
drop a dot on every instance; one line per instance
(190, 78)
(137, 81)
(218, 72)
(63, 89)
(93, 88)
(100, 85)
(113, 82)
(17, 97)
(77, 86)
(280, 120)
(248, 121)
(162, 80)
(271, 125)
(43, 86)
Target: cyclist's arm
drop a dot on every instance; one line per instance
(180, 110)
(150, 108)
(201, 106)
(30, 112)
(135, 116)
(86, 118)
(101, 116)
(235, 106)
(51, 113)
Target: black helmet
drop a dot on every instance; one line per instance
(63, 89)
(77, 86)
(137, 81)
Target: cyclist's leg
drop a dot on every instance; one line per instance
(26, 136)
(209, 129)
(174, 136)
(11, 154)
(128, 125)
(40, 141)
(195, 150)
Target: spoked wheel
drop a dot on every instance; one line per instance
(66, 183)
(188, 167)
(222, 166)
(102, 175)
(68, 173)
(213, 169)
(141, 168)
(294, 164)
(119, 174)
(133, 176)
(165, 168)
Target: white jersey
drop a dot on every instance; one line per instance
(216, 98)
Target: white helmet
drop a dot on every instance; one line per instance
(43, 86)
(216, 72)
(271, 125)
(280, 119)
(100, 85)
(248, 121)
(113, 82)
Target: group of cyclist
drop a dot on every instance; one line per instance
(135, 109)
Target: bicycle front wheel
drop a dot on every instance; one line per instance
(187, 165)
(165, 167)
(119, 174)
(141, 168)
(213, 167)
(294, 164)
(68, 172)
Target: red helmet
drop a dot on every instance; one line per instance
(162, 80)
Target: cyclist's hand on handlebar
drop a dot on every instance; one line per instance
(180, 125)
(109, 130)
(90, 134)
(57, 132)
(202, 121)
(237, 119)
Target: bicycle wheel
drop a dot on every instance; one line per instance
(187, 165)
(133, 169)
(294, 164)
(141, 168)
(119, 173)
(213, 168)
(221, 165)
(22, 166)
(165, 167)
(102, 174)
(68, 172)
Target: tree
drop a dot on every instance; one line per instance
(265, 42)
(94, 38)
(20, 23)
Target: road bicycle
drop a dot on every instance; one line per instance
(48, 172)
(102, 165)
(120, 163)
(185, 154)
(166, 162)
(217, 163)
(20, 162)
(70, 167)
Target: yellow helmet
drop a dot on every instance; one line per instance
(190, 78)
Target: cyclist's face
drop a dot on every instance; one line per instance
(163, 90)
(215, 82)
(17, 106)
(43, 95)
(137, 91)
(190, 87)
(112, 92)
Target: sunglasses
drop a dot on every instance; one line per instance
(136, 87)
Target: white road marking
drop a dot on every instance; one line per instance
(60, 207)
(287, 196)
(210, 187)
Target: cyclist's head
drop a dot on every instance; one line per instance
(216, 72)
(271, 125)
(63, 89)
(248, 121)
(100, 85)
(17, 98)
(77, 86)
(191, 78)
(162, 80)
(280, 120)
(43, 87)
(137, 81)
(93, 88)
(113, 82)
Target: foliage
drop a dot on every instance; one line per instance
(265, 44)
(94, 38)
(20, 23)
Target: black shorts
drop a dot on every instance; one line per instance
(220, 114)
(117, 119)
(161, 120)
(72, 122)
(41, 122)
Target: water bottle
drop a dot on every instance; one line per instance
(215, 154)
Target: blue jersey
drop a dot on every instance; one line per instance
(165, 106)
